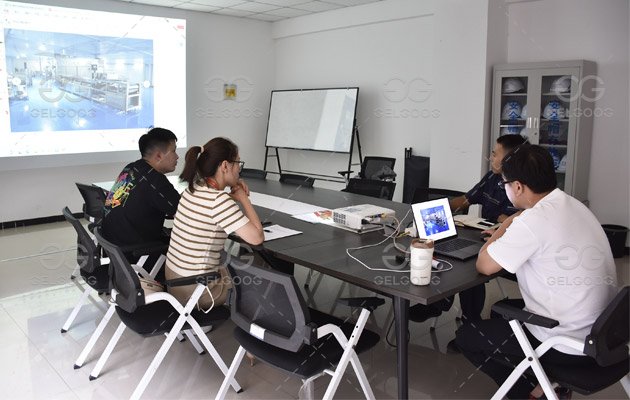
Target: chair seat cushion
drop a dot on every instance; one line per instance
(159, 317)
(310, 359)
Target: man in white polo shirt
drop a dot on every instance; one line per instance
(563, 262)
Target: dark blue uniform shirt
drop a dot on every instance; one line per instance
(491, 196)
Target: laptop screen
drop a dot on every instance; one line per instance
(434, 219)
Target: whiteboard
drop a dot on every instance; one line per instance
(312, 119)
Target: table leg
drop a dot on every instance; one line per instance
(401, 314)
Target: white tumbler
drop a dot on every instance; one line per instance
(420, 261)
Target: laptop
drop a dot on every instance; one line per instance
(434, 220)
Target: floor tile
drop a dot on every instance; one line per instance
(37, 361)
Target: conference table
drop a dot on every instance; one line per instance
(322, 248)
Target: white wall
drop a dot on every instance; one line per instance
(462, 87)
(384, 48)
(218, 47)
(422, 68)
(598, 31)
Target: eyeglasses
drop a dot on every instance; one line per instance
(503, 183)
(240, 164)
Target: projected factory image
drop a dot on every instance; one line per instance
(69, 82)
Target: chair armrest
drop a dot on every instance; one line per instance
(142, 249)
(92, 225)
(203, 279)
(369, 303)
(512, 313)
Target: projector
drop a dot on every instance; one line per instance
(361, 216)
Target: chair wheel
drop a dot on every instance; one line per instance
(77, 366)
(63, 330)
(93, 377)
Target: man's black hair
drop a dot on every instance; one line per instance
(510, 142)
(531, 165)
(156, 138)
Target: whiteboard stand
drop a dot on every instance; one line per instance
(330, 178)
(346, 174)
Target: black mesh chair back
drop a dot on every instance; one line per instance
(294, 179)
(381, 168)
(94, 201)
(123, 278)
(608, 341)
(88, 255)
(270, 299)
(89, 265)
(253, 173)
(371, 187)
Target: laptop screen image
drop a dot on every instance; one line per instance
(434, 219)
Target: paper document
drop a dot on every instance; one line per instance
(474, 222)
(317, 217)
(276, 232)
(285, 206)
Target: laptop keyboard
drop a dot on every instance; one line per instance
(453, 245)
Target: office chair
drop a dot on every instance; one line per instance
(274, 325)
(371, 187)
(157, 313)
(253, 173)
(607, 344)
(93, 203)
(132, 252)
(94, 200)
(380, 168)
(294, 179)
(93, 268)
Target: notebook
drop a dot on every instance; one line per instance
(434, 220)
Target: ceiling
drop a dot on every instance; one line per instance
(265, 10)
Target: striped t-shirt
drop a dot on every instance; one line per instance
(203, 221)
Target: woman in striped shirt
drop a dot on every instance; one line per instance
(206, 215)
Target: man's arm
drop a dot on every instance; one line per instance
(502, 218)
(458, 204)
(485, 263)
(166, 198)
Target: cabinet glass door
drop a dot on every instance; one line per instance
(556, 94)
(514, 93)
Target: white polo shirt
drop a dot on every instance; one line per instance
(563, 262)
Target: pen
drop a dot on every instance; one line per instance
(267, 230)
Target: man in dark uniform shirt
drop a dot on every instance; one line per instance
(496, 207)
(142, 197)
